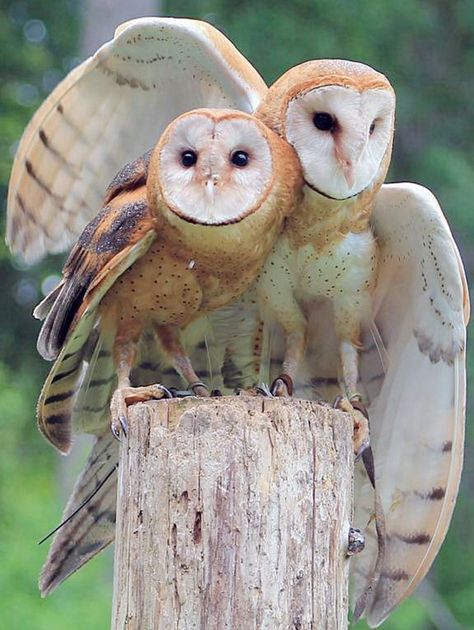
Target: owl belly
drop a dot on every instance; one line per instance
(161, 288)
(157, 289)
(344, 271)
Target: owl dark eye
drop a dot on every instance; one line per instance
(372, 128)
(188, 158)
(239, 158)
(324, 121)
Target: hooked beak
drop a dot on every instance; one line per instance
(211, 187)
(348, 171)
(348, 159)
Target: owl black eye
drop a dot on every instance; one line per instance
(372, 128)
(240, 158)
(324, 121)
(188, 158)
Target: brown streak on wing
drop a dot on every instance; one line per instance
(414, 539)
(47, 144)
(30, 169)
(396, 575)
(117, 227)
(31, 217)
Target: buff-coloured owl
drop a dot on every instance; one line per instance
(407, 308)
(182, 232)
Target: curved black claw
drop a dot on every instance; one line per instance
(359, 405)
(356, 542)
(124, 425)
(167, 392)
(282, 386)
(216, 393)
(263, 390)
(256, 390)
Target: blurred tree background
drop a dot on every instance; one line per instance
(425, 47)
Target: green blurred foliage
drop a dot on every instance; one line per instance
(425, 47)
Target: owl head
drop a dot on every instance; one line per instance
(213, 167)
(339, 117)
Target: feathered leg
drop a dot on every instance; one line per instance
(294, 325)
(347, 324)
(125, 350)
(170, 337)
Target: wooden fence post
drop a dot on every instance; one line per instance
(233, 513)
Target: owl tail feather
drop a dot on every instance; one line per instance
(89, 517)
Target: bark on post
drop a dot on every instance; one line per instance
(233, 513)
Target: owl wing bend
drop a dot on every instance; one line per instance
(110, 243)
(110, 109)
(421, 308)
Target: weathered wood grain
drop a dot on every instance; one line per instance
(233, 513)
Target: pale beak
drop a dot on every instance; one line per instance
(348, 172)
(211, 188)
(348, 163)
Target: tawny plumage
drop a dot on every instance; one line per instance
(412, 362)
(162, 253)
(185, 230)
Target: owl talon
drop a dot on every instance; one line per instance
(282, 386)
(356, 542)
(257, 390)
(263, 390)
(199, 389)
(115, 431)
(360, 418)
(126, 396)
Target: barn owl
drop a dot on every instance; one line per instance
(184, 230)
(385, 260)
(185, 240)
(418, 306)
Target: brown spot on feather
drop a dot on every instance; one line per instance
(414, 539)
(396, 575)
(436, 494)
(30, 215)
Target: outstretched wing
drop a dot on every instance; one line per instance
(421, 308)
(106, 112)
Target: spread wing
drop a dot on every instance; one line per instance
(421, 309)
(106, 112)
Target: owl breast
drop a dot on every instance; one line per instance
(159, 288)
(166, 286)
(346, 269)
